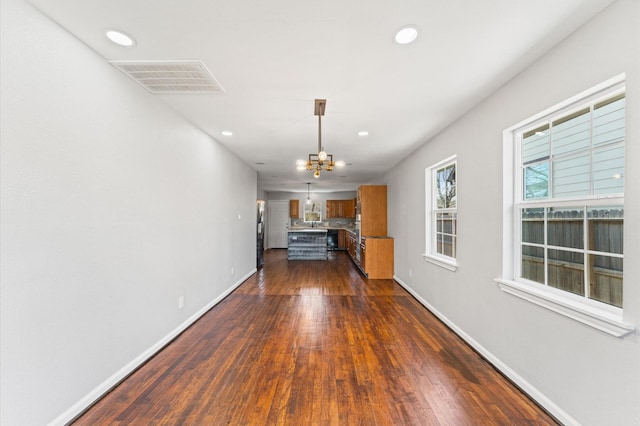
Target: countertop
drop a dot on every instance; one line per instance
(307, 230)
(321, 228)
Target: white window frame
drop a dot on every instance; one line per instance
(598, 315)
(431, 254)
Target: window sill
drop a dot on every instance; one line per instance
(599, 319)
(441, 262)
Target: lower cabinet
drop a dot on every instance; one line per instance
(342, 241)
(350, 243)
(376, 255)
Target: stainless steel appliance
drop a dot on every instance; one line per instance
(357, 232)
(332, 239)
(260, 235)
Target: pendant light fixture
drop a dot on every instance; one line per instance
(320, 160)
(308, 196)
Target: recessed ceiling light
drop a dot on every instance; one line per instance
(406, 34)
(363, 133)
(227, 133)
(120, 38)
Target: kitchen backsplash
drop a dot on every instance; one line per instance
(329, 223)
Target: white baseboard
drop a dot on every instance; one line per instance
(77, 408)
(518, 380)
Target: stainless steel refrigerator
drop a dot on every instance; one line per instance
(260, 235)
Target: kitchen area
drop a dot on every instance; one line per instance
(357, 225)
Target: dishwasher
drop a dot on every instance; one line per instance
(332, 239)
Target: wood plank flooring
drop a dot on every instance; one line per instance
(314, 343)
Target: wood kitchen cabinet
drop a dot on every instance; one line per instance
(340, 209)
(350, 208)
(373, 210)
(350, 242)
(376, 257)
(294, 209)
(342, 239)
(331, 209)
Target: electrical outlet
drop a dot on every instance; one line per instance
(180, 302)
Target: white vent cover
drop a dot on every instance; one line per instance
(171, 76)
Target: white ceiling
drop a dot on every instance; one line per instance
(273, 58)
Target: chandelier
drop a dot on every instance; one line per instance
(321, 160)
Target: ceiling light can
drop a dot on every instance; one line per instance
(120, 37)
(407, 34)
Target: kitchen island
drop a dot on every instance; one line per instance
(307, 244)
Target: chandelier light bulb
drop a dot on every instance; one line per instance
(316, 174)
(322, 155)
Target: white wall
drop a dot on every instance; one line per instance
(112, 208)
(315, 196)
(582, 374)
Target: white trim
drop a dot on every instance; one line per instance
(599, 319)
(447, 160)
(620, 78)
(93, 396)
(445, 263)
(512, 202)
(518, 380)
(431, 254)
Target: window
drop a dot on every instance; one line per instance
(441, 217)
(313, 211)
(571, 203)
(567, 220)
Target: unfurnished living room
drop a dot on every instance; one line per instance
(320, 213)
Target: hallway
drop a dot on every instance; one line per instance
(313, 342)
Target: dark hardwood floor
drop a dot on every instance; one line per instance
(314, 343)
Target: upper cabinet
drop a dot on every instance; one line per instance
(294, 209)
(373, 210)
(350, 208)
(341, 209)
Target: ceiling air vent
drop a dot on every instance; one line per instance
(171, 76)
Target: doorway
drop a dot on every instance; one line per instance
(278, 221)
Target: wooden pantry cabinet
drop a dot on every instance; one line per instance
(373, 210)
